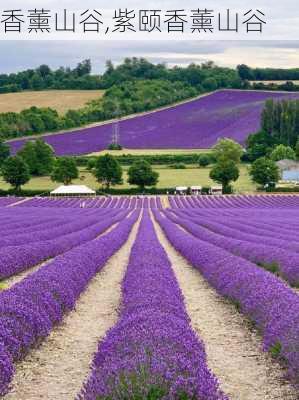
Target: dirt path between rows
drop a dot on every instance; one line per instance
(58, 368)
(234, 351)
(12, 280)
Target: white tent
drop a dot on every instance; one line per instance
(73, 190)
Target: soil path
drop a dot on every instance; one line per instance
(234, 350)
(57, 369)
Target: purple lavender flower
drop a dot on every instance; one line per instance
(152, 348)
(195, 124)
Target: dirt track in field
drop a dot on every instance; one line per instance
(234, 350)
(58, 368)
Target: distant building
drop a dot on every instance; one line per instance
(289, 170)
(290, 176)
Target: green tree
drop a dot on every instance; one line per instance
(204, 160)
(44, 157)
(210, 84)
(15, 171)
(108, 171)
(225, 171)
(259, 144)
(39, 157)
(245, 72)
(142, 174)
(65, 170)
(4, 151)
(297, 149)
(227, 149)
(28, 154)
(282, 152)
(264, 171)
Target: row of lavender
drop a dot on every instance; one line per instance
(274, 247)
(135, 359)
(137, 347)
(26, 246)
(96, 202)
(215, 202)
(235, 201)
(31, 308)
(232, 246)
(152, 351)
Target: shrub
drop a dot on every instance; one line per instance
(142, 174)
(204, 160)
(177, 166)
(114, 146)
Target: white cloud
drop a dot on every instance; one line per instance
(16, 56)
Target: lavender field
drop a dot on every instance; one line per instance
(195, 124)
(179, 297)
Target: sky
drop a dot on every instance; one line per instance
(284, 16)
(21, 55)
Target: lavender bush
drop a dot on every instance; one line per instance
(30, 309)
(270, 303)
(14, 259)
(286, 262)
(151, 353)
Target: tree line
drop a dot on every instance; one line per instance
(43, 78)
(127, 98)
(267, 74)
(279, 126)
(37, 158)
(205, 76)
(136, 85)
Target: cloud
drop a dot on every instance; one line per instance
(16, 56)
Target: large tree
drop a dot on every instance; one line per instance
(264, 171)
(228, 149)
(142, 174)
(259, 144)
(39, 156)
(108, 171)
(65, 170)
(27, 152)
(225, 171)
(15, 171)
(4, 151)
(245, 72)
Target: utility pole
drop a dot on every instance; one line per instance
(116, 126)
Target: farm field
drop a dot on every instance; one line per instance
(168, 178)
(90, 294)
(149, 152)
(296, 82)
(60, 100)
(194, 124)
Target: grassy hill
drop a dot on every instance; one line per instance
(60, 100)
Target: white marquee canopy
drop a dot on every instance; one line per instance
(73, 190)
